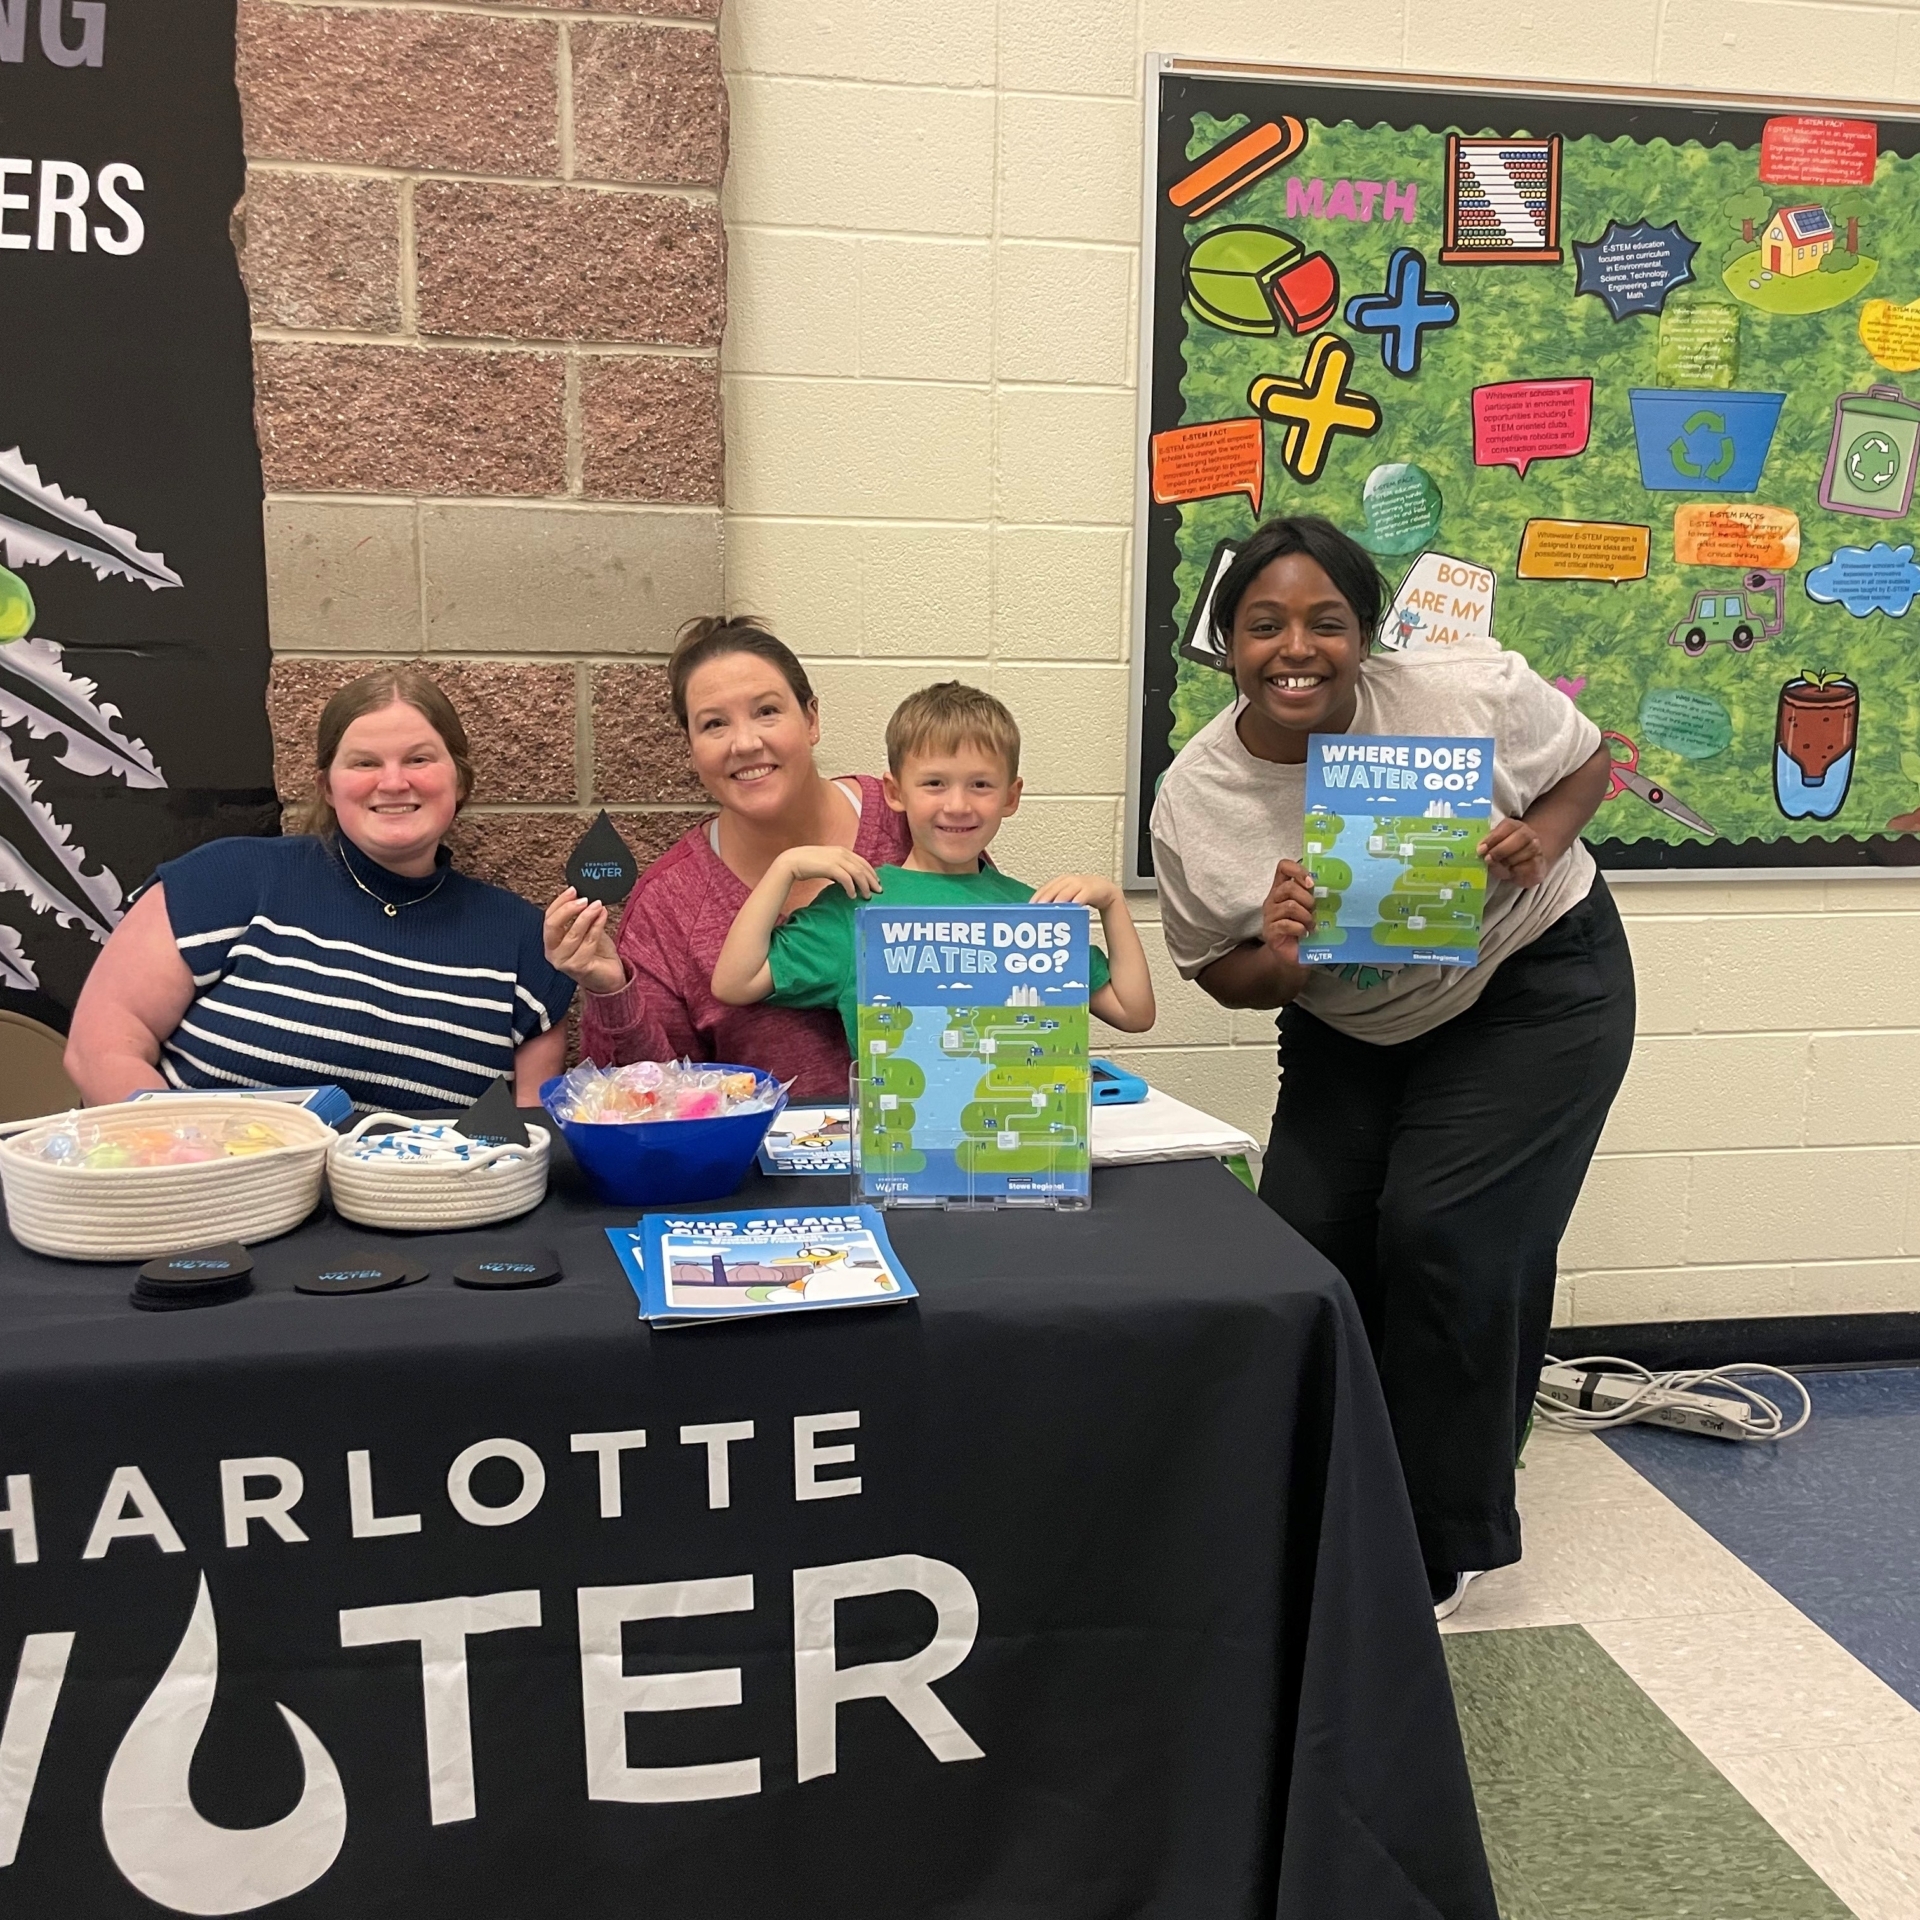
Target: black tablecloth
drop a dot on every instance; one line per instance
(1204, 1682)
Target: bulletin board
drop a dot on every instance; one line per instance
(1630, 384)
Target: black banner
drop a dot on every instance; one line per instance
(1084, 1585)
(133, 619)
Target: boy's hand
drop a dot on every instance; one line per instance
(1078, 890)
(1286, 915)
(845, 868)
(1514, 851)
(579, 942)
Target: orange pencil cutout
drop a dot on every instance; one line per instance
(1224, 171)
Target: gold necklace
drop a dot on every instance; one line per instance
(388, 907)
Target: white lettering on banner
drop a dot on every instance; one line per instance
(716, 1437)
(609, 1446)
(608, 1693)
(16, 1518)
(442, 1627)
(63, 193)
(183, 1862)
(238, 1507)
(819, 1685)
(158, 1839)
(130, 1510)
(92, 18)
(533, 1482)
(89, 15)
(368, 1525)
(23, 1734)
(808, 1458)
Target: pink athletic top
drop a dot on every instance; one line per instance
(676, 922)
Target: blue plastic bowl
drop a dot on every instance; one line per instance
(642, 1163)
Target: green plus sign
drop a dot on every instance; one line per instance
(1873, 462)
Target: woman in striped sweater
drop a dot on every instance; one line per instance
(352, 954)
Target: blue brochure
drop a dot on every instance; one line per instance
(1393, 821)
(728, 1266)
(972, 1062)
(813, 1140)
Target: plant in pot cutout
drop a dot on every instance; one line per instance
(1814, 737)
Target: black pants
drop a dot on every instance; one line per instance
(1438, 1176)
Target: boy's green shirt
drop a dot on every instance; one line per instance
(814, 955)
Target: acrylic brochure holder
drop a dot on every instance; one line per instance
(970, 1078)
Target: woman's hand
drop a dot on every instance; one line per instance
(840, 865)
(1514, 851)
(1078, 890)
(1524, 851)
(1286, 915)
(579, 942)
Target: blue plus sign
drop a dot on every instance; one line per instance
(1404, 313)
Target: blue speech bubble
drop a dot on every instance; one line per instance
(1864, 580)
(1633, 269)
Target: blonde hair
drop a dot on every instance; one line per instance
(947, 715)
(371, 693)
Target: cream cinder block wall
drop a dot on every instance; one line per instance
(929, 369)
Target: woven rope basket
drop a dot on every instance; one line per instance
(496, 1183)
(134, 1213)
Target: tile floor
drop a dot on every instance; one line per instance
(1698, 1696)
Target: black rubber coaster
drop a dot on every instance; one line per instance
(536, 1267)
(201, 1277)
(358, 1273)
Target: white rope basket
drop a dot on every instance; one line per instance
(134, 1213)
(493, 1183)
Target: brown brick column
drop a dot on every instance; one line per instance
(488, 278)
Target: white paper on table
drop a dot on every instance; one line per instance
(1162, 1128)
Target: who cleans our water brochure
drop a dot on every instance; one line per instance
(1393, 824)
(728, 1266)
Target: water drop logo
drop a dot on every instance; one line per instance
(181, 1861)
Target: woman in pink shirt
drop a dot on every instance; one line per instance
(752, 723)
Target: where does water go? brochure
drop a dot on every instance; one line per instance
(1393, 827)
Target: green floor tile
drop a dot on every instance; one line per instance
(1596, 1807)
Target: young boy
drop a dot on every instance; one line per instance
(953, 768)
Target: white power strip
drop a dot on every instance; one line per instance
(1598, 1392)
(1606, 1393)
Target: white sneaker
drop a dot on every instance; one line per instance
(1447, 1608)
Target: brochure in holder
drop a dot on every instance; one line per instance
(970, 1079)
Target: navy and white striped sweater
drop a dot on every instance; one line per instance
(301, 978)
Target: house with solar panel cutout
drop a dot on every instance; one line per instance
(1797, 239)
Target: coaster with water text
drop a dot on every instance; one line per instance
(602, 867)
(358, 1273)
(493, 1120)
(533, 1267)
(200, 1277)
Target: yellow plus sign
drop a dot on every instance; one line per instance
(1315, 407)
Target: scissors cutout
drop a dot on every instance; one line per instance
(1625, 776)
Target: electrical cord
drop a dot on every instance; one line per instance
(1635, 1393)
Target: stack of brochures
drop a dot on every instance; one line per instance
(729, 1266)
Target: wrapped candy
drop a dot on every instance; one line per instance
(144, 1143)
(660, 1090)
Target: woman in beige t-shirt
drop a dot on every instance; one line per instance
(1434, 1123)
